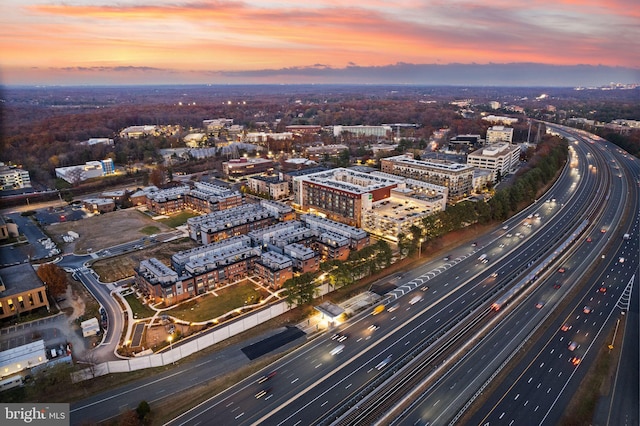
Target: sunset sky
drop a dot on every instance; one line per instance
(286, 41)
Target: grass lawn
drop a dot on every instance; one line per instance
(178, 219)
(209, 306)
(140, 310)
(150, 230)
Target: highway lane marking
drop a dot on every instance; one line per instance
(295, 380)
(516, 398)
(318, 366)
(268, 397)
(229, 404)
(324, 403)
(239, 415)
(348, 386)
(525, 403)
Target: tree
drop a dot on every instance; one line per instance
(54, 278)
(157, 177)
(300, 289)
(143, 410)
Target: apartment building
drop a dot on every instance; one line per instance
(167, 201)
(363, 130)
(304, 258)
(358, 238)
(207, 197)
(224, 224)
(269, 185)
(159, 283)
(180, 259)
(499, 158)
(220, 267)
(341, 194)
(456, 177)
(273, 269)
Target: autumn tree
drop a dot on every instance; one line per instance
(54, 278)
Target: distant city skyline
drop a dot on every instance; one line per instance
(496, 42)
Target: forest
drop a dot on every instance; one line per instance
(42, 128)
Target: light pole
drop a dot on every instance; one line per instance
(170, 338)
(420, 248)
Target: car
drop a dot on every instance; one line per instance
(262, 393)
(446, 258)
(557, 285)
(575, 360)
(393, 307)
(588, 239)
(266, 377)
(339, 337)
(565, 327)
(505, 227)
(495, 274)
(474, 244)
(383, 363)
(621, 260)
(509, 235)
(603, 230)
(586, 309)
(501, 246)
(561, 270)
(425, 288)
(572, 346)
(337, 350)
(373, 327)
(539, 305)
(415, 299)
(602, 289)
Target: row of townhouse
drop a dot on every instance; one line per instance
(272, 254)
(202, 197)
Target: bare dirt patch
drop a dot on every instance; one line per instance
(105, 230)
(120, 267)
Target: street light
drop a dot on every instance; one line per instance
(420, 248)
(170, 338)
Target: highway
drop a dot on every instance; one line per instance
(312, 381)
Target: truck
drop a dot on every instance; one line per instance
(377, 310)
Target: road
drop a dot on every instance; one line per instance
(314, 381)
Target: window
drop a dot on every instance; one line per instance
(30, 299)
(1, 309)
(40, 297)
(10, 304)
(21, 302)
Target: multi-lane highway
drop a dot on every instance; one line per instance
(315, 386)
(324, 382)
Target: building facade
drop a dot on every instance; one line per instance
(499, 158)
(12, 177)
(457, 178)
(242, 167)
(341, 194)
(497, 134)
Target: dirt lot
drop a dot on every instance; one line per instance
(105, 230)
(120, 267)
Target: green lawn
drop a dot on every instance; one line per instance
(178, 219)
(140, 311)
(209, 306)
(150, 230)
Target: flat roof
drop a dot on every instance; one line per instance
(329, 309)
(19, 278)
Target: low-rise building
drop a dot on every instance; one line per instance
(99, 205)
(92, 169)
(159, 283)
(223, 224)
(242, 167)
(12, 177)
(21, 291)
(274, 269)
(497, 134)
(167, 201)
(304, 258)
(269, 185)
(358, 238)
